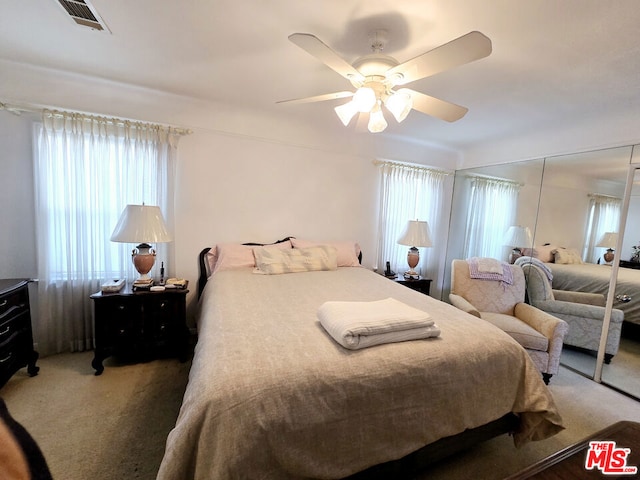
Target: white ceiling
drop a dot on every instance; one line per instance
(553, 62)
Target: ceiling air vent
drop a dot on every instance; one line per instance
(84, 14)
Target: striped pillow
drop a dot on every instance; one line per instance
(274, 262)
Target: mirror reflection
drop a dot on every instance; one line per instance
(624, 371)
(571, 206)
(576, 232)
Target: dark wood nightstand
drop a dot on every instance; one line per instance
(140, 325)
(422, 285)
(16, 335)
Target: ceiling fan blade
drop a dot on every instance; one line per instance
(317, 48)
(435, 107)
(319, 98)
(464, 49)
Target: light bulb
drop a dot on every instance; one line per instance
(399, 104)
(377, 123)
(346, 112)
(365, 99)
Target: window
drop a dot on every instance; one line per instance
(604, 216)
(86, 170)
(407, 192)
(492, 210)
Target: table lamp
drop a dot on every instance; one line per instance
(518, 237)
(609, 241)
(142, 224)
(415, 235)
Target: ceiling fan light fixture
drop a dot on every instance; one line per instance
(346, 112)
(399, 104)
(377, 123)
(365, 99)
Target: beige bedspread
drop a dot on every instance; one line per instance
(593, 278)
(272, 395)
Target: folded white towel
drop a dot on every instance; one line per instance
(357, 325)
(489, 265)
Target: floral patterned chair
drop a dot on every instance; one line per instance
(583, 312)
(504, 306)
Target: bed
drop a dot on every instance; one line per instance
(594, 278)
(272, 395)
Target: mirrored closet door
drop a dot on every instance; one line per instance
(623, 372)
(578, 218)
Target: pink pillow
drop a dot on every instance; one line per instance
(229, 256)
(545, 253)
(348, 251)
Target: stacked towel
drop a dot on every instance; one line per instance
(357, 325)
(490, 269)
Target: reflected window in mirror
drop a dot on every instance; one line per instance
(604, 217)
(492, 210)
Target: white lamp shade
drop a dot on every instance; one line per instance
(364, 99)
(518, 236)
(141, 224)
(377, 123)
(608, 240)
(416, 234)
(399, 104)
(346, 112)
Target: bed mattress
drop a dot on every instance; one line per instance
(590, 277)
(272, 395)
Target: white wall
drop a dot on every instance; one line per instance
(241, 175)
(17, 222)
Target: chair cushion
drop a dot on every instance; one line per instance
(522, 333)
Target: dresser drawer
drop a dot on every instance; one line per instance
(13, 304)
(13, 323)
(16, 338)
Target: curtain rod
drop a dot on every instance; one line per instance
(17, 109)
(412, 166)
(602, 195)
(495, 179)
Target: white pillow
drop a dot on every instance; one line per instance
(348, 251)
(568, 256)
(272, 261)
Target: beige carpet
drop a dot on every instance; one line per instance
(110, 427)
(113, 427)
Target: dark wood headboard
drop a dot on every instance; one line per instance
(203, 266)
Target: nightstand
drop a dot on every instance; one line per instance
(140, 325)
(422, 285)
(16, 335)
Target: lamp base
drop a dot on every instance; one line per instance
(516, 253)
(413, 258)
(143, 258)
(608, 257)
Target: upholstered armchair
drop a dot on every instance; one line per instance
(583, 312)
(504, 306)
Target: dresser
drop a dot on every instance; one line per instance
(140, 326)
(16, 335)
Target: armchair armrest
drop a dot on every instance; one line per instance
(551, 327)
(579, 310)
(580, 297)
(461, 303)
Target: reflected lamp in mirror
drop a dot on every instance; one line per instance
(609, 240)
(141, 224)
(415, 235)
(518, 237)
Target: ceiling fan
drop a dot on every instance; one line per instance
(376, 77)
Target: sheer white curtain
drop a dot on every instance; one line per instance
(87, 169)
(604, 216)
(408, 193)
(492, 210)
